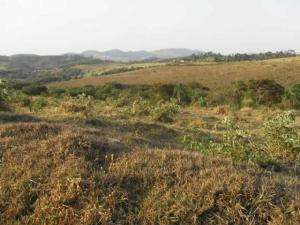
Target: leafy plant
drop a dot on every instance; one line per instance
(3, 95)
(182, 94)
(282, 140)
(292, 96)
(20, 98)
(202, 102)
(165, 111)
(39, 104)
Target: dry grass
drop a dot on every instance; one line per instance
(54, 174)
(215, 76)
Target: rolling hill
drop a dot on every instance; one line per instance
(127, 56)
(213, 75)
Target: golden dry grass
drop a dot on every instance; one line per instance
(55, 174)
(215, 76)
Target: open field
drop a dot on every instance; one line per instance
(116, 167)
(215, 76)
(154, 154)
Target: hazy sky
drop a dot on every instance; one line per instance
(59, 26)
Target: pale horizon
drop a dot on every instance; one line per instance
(62, 26)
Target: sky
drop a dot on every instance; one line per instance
(226, 26)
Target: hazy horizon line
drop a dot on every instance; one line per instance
(147, 50)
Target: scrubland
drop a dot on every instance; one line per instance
(163, 145)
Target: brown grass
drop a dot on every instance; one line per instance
(54, 174)
(215, 76)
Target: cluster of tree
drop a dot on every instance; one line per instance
(29, 63)
(43, 76)
(241, 57)
(121, 70)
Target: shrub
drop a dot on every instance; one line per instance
(292, 96)
(248, 100)
(265, 92)
(236, 142)
(141, 108)
(35, 89)
(279, 143)
(217, 99)
(18, 85)
(202, 102)
(281, 139)
(39, 104)
(165, 91)
(183, 94)
(20, 98)
(235, 93)
(120, 70)
(68, 73)
(165, 112)
(57, 92)
(87, 90)
(82, 105)
(111, 90)
(3, 96)
(254, 92)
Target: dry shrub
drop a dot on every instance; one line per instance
(4, 106)
(52, 174)
(265, 92)
(82, 105)
(165, 111)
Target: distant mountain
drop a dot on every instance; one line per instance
(126, 56)
(30, 62)
(175, 53)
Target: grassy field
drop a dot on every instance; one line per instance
(215, 76)
(150, 154)
(60, 167)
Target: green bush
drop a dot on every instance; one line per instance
(87, 90)
(292, 96)
(183, 94)
(281, 139)
(110, 90)
(35, 89)
(265, 92)
(39, 103)
(21, 98)
(202, 102)
(279, 142)
(254, 93)
(235, 93)
(3, 96)
(57, 92)
(165, 112)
